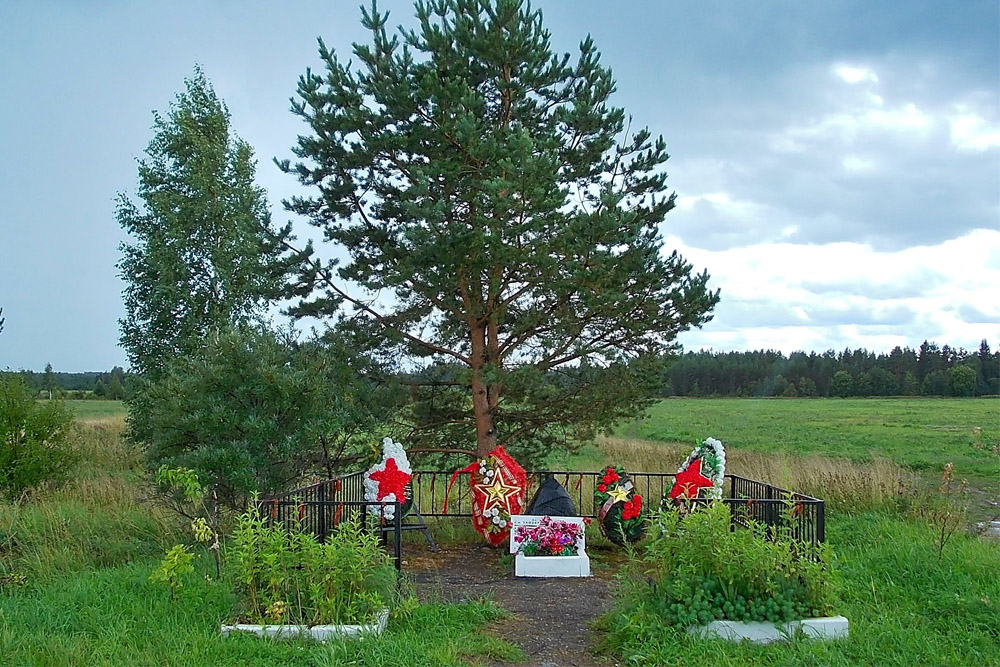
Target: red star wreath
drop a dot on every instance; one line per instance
(704, 468)
(688, 482)
(498, 487)
(387, 481)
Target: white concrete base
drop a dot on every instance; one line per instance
(552, 566)
(317, 632)
(833, 627)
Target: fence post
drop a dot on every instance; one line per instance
(821, 521)
(769, 511)
(321, 527)
(397, 526)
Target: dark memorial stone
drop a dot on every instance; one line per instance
(552, 500)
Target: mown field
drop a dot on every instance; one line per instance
(75, 562)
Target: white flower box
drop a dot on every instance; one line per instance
(552, 566)
(549, 566)
(317, 632)
(833, 627)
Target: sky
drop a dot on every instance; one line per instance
(836, 164)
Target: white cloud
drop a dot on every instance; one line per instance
(789, 297)
(854, 75)
(972, 132)
(857, 164)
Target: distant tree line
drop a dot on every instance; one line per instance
(108, 385)
(929, 370)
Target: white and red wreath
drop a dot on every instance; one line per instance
(704, 469)
(387, 480)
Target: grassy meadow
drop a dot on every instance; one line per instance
(812, 445)
(97, 410)
(75, 590)
(75, 561)
(919, 433)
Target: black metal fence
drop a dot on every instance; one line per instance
(319, 508)
(748, 499)
(323, 505)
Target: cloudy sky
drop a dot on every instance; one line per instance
(837, 164)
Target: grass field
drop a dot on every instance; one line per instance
(920, 433)
(92, 410)
(75, 562)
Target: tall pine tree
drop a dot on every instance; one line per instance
(501, 222)
(204, 254)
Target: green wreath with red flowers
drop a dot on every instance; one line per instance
(619, 508)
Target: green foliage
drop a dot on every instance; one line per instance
(696, 570)
(902, 371)
(195, 502)
(204, 254)
(33, 439)
(509, 216)
(904, 607)
(49, 382)
(116, 391)
(283, 574)
(963, 381)
(182, 481)
(174, 568)
(842, 384)
(252, 413)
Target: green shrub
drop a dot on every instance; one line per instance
(33, 440)
(251, 413)
(696, 570)
(283, 575)
(174, 568)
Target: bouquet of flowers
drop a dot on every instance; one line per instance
(551, 537)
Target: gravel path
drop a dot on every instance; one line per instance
(551, 616)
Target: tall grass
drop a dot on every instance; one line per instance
(843, 484)
(100, 517)
(75, 587)
(116, 616)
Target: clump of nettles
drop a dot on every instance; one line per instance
(695, 570)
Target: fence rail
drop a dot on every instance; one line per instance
(323, 505)
(318, 515)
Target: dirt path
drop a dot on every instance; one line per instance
(551, 616)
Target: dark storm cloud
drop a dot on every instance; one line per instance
(732, 87)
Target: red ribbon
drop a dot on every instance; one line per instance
(467, 469)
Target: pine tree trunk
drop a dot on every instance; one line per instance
(486, 437)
